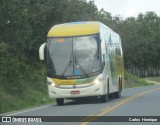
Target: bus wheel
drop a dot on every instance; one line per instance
(118, 94)
(60, 101)
(104, 98)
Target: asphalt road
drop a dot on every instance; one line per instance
(140, 101)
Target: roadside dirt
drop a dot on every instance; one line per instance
(150, 81)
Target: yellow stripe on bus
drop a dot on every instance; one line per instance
(64, 82)
(71, 29)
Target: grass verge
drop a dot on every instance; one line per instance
(30, 99)
(134, 81)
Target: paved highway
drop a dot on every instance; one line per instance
(140, 101)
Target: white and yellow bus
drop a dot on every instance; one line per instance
(83, 59)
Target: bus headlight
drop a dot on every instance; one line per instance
(51, 84)
(98, 80)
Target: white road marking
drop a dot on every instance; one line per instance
(28, 110)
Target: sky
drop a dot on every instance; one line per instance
(128, 8)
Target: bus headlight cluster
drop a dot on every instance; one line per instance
(98, 80)
(51, 84)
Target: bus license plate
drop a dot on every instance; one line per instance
(75, 92)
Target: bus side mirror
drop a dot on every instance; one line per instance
(41, 51)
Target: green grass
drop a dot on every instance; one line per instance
(134, 81)
(31, 98)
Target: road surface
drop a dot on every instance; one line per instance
(139, 101)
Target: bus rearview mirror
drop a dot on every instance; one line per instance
(41, 51)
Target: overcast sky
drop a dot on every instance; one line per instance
(127, 8)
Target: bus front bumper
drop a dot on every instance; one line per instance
(75, 92)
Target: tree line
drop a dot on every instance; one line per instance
(25, 23)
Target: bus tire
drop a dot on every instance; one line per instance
(118, 94)
(60, 101)
(105, 98)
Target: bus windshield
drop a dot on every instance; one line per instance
(73, 57)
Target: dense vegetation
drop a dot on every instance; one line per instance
(23, 28)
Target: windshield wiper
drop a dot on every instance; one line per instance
(80, 66)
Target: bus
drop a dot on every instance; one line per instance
(83, 59)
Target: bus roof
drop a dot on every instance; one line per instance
(74, 29)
